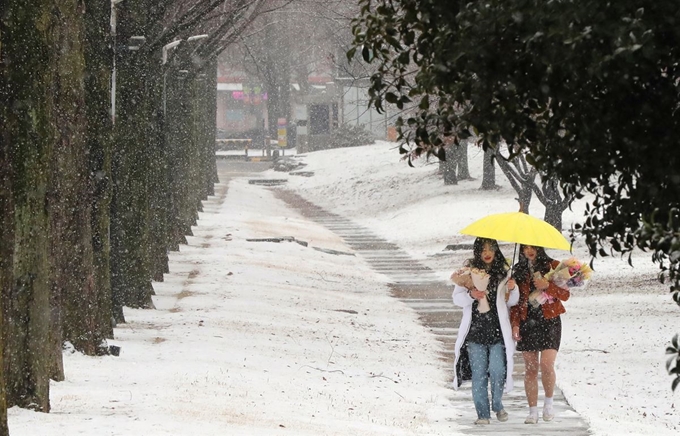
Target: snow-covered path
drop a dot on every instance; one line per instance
(265, 338)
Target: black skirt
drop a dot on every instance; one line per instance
(538, 333)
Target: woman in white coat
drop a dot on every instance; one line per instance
(485, 334)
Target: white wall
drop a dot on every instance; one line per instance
(355, 111)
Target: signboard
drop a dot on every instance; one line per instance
(282, 132)
(251, 94)
(300, 111)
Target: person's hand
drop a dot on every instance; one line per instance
(515, 333)
(477, 294)
(540, 283)
(511, 285)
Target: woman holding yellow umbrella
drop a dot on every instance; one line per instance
(535, 320)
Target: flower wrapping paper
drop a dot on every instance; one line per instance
(570, 273)
(480, 278)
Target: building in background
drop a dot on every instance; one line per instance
(356, 112)
(318, 106)
(241, 105)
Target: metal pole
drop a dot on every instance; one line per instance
(113, 90)
(165, 106)
(113, 69)
(164, 60)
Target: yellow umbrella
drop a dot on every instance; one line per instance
(520, 228)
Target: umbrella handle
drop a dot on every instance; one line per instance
(512, 266)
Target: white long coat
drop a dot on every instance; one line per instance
(462, 298)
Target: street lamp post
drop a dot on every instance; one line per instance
(113, 70)
(164, 59)
(133, 44)
(197, 37)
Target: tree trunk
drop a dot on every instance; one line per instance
(522, 178)
(525, 196)
(98, 55)
(278, 102)
(187, 142)
(489, 171)
(70, 201)
(178, 139)
(278, 75)
(26, 48)
(56, 345)
(553, 215)
(449, 166)
(6, 217)
(210, 129)
(130, 215)
(460, 155)
(159, 189)
(555, 205)
(200, 111)
(206, 107)
(194, 161)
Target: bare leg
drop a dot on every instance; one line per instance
(548, 376)
(531, 376)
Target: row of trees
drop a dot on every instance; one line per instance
(94, 195)
(585, 91)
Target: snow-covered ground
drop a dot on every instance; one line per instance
(255, 152)
(611, 366)
(262, 338)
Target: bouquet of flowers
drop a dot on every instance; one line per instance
(538, 297)
(570, 273)
(480, 278)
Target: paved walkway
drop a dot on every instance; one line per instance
(418, 286)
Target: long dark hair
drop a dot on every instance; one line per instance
(522, 270)
(499, 266)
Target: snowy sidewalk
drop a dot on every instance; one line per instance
(264, 338)
(256, 338)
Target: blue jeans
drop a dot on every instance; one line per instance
(487, 362)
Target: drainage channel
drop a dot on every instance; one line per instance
(421, 289)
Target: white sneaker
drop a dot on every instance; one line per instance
(482, 421)
(502, 415)
(548, 413)
(531, 419)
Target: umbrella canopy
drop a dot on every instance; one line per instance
(520, 228)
